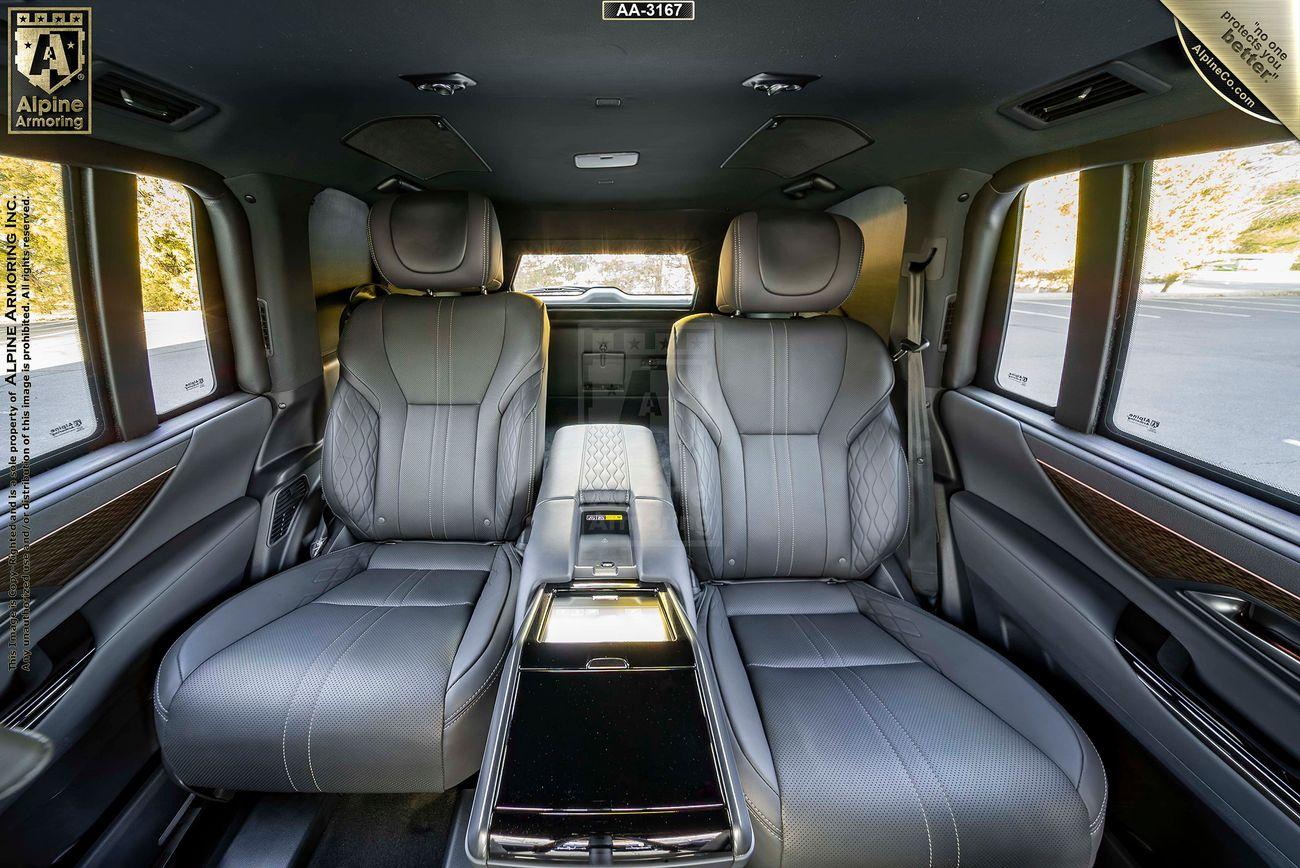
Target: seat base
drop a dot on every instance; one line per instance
(872, 733)
(367, 670)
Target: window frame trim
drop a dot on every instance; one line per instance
(86, 315)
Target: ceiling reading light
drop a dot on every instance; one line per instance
(615, 160)
(772, 83)
(441, 83)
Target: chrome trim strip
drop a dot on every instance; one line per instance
(742, 834)
(1260, 771)
(485, 795)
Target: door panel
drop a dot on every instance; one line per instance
(130, 543)
(1077, 552)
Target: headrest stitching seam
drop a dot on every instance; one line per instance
(487, 243)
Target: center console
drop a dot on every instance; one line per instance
(606, 744)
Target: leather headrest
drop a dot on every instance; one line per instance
(447, 240)
(788, 262)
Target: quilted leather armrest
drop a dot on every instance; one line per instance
(612, 465)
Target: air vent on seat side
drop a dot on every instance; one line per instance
(286, 506)
(1107, 86)
(145, 99)
(949, 313)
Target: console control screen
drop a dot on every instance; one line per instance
(600, 617)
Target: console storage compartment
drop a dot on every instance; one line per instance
(607, 743)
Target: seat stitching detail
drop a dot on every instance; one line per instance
(487, 241)
(284, 733)
(686, 493)
(947, 796)
(180, 672)
(789, 467)
(437, 391)
(767, 824)
(157, 696)
(829, 643)
(1105, 782)
(531, 467)
(478, 694)
(771, 430)
(446, 436)
(795, 620)
(311, 722)
(925, 815)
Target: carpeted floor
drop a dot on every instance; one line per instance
(387, 831)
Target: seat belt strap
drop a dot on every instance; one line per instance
(922, 536)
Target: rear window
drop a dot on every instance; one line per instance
(607, 279)
(1038, 318)
(180, 360)
(55, 380)
(1211, 370)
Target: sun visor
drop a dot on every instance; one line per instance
(422, 146)
(792, 145)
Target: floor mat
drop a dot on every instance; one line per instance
(387, 831)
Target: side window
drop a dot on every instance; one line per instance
(56, 386)
(1038, 317)
(180, 358)
(1211, 370)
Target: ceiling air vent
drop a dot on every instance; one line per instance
(145, 99)
(286, 507)
(1108, 86)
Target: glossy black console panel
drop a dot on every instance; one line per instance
(599, 741)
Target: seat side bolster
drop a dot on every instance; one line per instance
(476, 669)
(250, 611)
(999, 686)
(757, 770)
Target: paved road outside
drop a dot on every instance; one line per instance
(62, 411)
(1216, 377)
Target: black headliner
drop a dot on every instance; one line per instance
(925, 80)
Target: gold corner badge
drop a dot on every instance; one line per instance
(49, 70)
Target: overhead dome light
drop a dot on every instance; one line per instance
(616, 160)
(441, 83)
(772, 83)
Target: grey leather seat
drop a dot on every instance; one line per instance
(870, 732)
(372, 669)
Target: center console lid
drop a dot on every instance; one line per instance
(604, 511)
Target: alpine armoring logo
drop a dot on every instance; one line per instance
(49, 70)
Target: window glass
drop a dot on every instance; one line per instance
(1033, 348)
(607, 279)
(180, 362)
(1212, 367)
(35, 234)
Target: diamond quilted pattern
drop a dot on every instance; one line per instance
(353, 441)
(604, 461)
(877, 500)
(706, 520)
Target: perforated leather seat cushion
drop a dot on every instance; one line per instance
(368, 670)
(873, 734)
